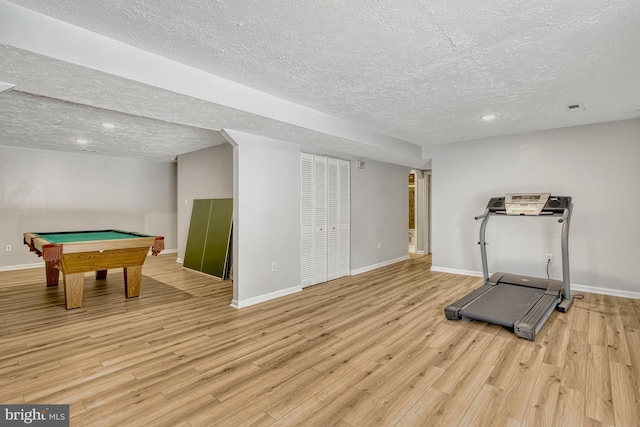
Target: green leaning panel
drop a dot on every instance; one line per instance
(216, 246)
(197, 234)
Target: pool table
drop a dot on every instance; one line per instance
(76, 252)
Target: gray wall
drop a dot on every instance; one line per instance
(267, 216)
(597, 165)
(51, 191)
(379, 214)
(202, 174)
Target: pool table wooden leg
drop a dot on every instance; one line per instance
(73, 287)
(132, 278)
(101, 274)
(53, 274)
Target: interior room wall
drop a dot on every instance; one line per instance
(379, 215)
(55, 191)
(267, 216)
(202, 174)
(597, 165)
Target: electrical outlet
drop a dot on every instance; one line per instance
(7, 248)
(274, 267)
(379, 245)
(549, 257)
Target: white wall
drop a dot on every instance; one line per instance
(202, 174)
(52, 191)
(597, 165)
(267, 216)
(379, 214)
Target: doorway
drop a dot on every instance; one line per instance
(419, 220)
(412, 212)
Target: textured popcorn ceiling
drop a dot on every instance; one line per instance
(66, 122)
(414, 72)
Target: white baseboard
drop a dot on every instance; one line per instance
(456, 271)
(574, 287)
(604, 291)
(164, 251)
(263, 298)
(180, 260)
(380, 264)
(22, 266)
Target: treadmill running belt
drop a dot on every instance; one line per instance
(504, 304)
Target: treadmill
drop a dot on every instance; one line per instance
(520, 303)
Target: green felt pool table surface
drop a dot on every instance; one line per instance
(88, 236)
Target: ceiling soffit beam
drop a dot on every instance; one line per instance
(6, 86)
(28, 30)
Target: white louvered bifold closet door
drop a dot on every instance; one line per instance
(306, 219)
(324, 218)
(333, 212)
(319, 219)
(344, 218)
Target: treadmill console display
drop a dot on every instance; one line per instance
(525, 203)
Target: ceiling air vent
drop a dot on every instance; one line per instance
(578, 106)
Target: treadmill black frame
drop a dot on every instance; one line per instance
(557, 294)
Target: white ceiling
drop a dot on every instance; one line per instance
(374, 78)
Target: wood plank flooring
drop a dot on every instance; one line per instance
(372, 349)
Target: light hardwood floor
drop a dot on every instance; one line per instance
(372, 349)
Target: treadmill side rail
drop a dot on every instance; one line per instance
(494, 279)
(530, 325)
(563, 307)
(452, 312)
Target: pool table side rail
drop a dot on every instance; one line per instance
(81, 235)
(53, 251)
(125, 234)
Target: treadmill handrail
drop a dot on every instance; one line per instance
(485, 213)
(565, 219)
(565, 215)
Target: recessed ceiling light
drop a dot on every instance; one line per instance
(488, 117)
(107, 125)
(81, 141)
